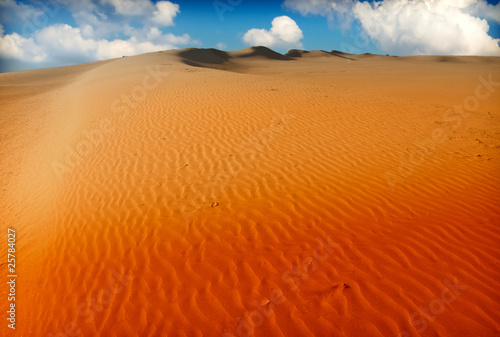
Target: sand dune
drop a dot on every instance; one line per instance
(312, 53)
(209, 193)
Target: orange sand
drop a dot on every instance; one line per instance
(189, 192)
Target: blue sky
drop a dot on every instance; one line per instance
(65, 32)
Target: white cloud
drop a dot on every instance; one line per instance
(130, 7)
(66, 45)
(15, 46)
(102, 31)
(455, 27)
(78, 5)
(162, 13)
(283, 33)
(67, 41)
(425, 27)
(11, 11)
(484, 10)
(97, 24)
(338, 12)
(103, 24)
(165, 13)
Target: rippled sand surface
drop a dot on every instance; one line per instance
(204, 193)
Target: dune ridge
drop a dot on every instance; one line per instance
(193, 192)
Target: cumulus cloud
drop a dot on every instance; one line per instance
(15, 46)
(11, 11)
(283, 33)
(130, 7)
(65, 44)
(484, 10)
(99, 33)
(337, 11)
(165, 13)
(93, 19)
(425, 27)
(455, 27)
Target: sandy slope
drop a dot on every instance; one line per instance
(187, 193)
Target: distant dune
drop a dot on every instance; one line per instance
(313, 53)
(199, 192)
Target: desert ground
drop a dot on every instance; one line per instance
(198, 192)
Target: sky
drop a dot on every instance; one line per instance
(40, 33)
